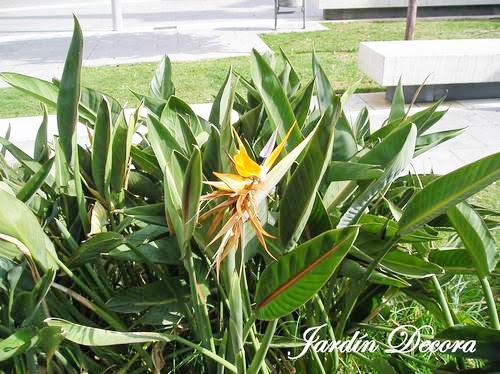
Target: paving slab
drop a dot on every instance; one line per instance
(34, 38)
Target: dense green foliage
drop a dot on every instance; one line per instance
(105, 255)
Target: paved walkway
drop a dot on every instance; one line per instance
(34, 38)
(481, 118)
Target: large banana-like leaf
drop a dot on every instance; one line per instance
(429, 141)
(344, 146)
(291, 281)
(191, 194)
(475, 236)
(44, 91)
(301, 103)
(300, 194)
(172, 195)
(487, 341)
(348, 171)
(400, 145)
(100, 145)
(398, 104)
(98, 337)
(35, 182)
(69, 92)
(454, 261)
(161, 85)
(409, 265)
(19, 226)
(448, 190)
(162, 141)
(273, 96)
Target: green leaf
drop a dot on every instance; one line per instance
(487, 340)
(97, 337)
(448, 190)
(429, 141)
(80, 197)
(344, 146)
(346, 171)
(162, 141)
(161, 85)
(41, 152)
(273, 96)
(42, 90)
(354, 270)
(398, 147)
(154, 104)
(260, 356)
(97, 244)
(19, 223)
(100, 146)
(162, 251)
(476, 237)
(324, 90)
(17, 343)
(300, 194)
(69, 92)
(150, 213)
(172, 196)
(146, 162)
(18, 154)
(454, 261)
(301, 103)
(224, 135)
(120, 148)
(409, 265)
(362, 126)
(35, 182)
(191, 194)
(398, 104)
(138, 299)
(296, 277)
(289, 78)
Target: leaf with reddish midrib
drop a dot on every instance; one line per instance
(288, 283)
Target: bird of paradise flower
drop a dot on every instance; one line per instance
(244, 190)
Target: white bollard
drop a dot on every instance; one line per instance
(116, 10)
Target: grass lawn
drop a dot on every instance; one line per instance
(199, 81)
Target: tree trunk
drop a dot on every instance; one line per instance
(411, 19)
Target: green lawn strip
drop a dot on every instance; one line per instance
(199, 81)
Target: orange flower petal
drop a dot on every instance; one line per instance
(245, 166)
(269, 162)
(234, 182)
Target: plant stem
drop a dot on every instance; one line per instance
(358, 287)
(447, 312)
(201, 311)
(490, 301)
(324, 314)
(260, 356)
(444, 303)
(203, 351)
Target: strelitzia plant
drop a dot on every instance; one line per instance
(107, 250)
